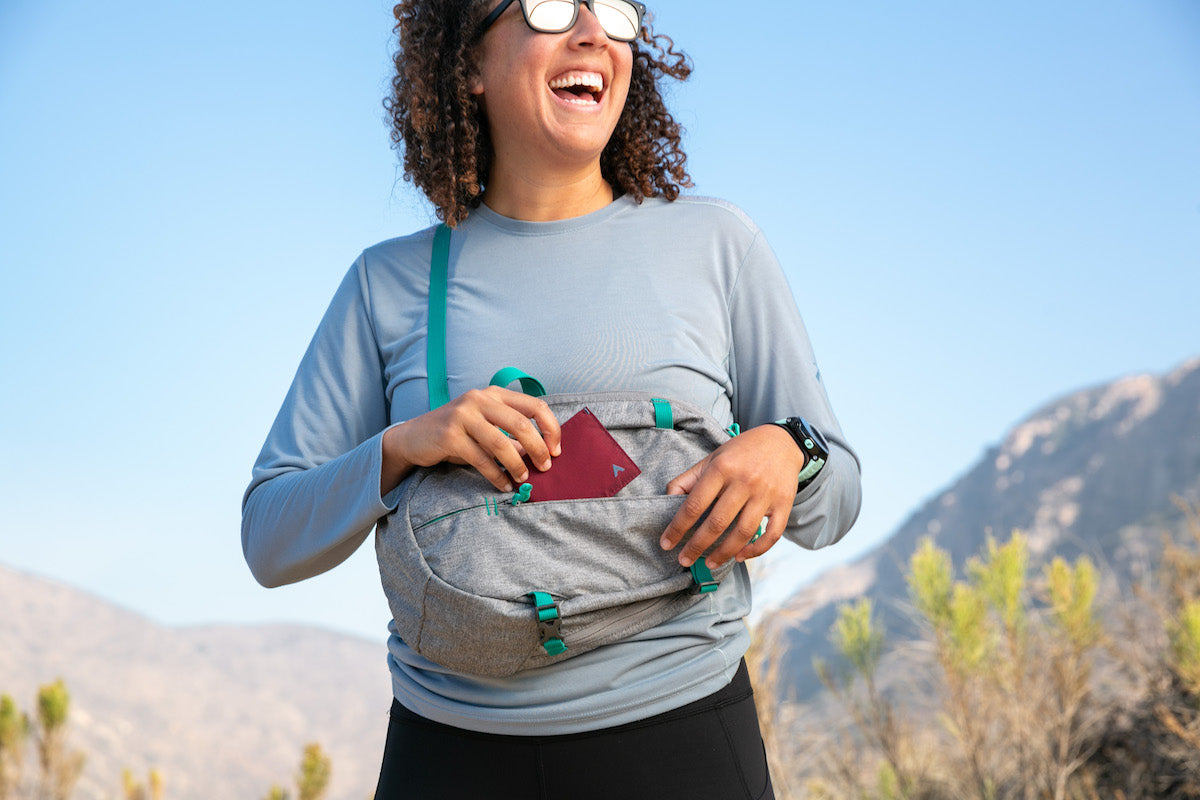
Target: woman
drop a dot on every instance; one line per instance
(538, 132)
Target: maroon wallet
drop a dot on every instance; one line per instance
(592, 464)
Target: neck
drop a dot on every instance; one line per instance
(543, 198)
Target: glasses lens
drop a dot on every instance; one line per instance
(619, 19)
(550, 16)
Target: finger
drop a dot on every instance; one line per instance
(683, 484)
(519, 437)
(698, 499)
(548, 425)
(532, 426)
(721, 515)
(475, 456)
(776, 525)
(749, 520)
(490, 437)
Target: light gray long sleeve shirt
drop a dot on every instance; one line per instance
(684, 300)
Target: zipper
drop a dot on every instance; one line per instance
(449, 514)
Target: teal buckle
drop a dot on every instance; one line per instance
(702, 578)
(549, 623)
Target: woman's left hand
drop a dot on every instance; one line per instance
(751, 476)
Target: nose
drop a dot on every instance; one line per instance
(588, 29)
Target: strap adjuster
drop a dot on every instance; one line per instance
(549, 623)
(702, 578)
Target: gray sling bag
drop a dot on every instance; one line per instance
(489, 583)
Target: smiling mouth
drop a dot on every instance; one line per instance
(579, 88)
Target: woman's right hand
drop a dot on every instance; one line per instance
(470, 429)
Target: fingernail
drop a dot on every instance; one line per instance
(557, 451)
(508, 487)
(545, 465)
(664, 543)
(523, 476)
(685, 562)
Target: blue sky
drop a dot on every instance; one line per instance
(980, 206)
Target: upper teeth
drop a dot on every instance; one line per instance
(590, 80)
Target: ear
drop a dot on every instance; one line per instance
(475, 76)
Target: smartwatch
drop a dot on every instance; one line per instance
(810, 440)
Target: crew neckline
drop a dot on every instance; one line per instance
(487, 216)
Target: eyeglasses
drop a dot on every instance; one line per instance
(620, 19)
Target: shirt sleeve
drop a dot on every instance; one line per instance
(314, 492)
(775, 375)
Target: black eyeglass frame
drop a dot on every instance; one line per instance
(640, 8)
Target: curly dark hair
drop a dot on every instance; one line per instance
(442, 130)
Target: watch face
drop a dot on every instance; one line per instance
(815, 444)
(814, 434)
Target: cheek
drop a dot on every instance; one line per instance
(622, 77)
(500, 58)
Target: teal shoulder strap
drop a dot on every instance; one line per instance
(435, 345)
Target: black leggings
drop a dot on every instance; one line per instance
(710, 748)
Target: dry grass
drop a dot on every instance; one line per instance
(1030, 697)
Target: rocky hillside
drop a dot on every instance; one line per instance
(221, 712)
(1093, 472)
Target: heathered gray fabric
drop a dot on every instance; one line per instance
(458, 569)
(683, 300)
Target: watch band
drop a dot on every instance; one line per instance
(811, 442)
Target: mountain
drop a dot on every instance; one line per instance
(1094, 472)
(224, 712)
(220, 711)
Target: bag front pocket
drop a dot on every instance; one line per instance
(565, 547)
